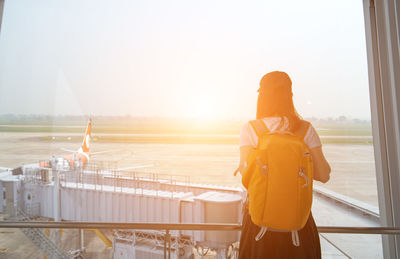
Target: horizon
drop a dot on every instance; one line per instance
(129, 117)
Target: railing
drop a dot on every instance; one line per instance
(183, 226)
(113, 225)
(169, 227)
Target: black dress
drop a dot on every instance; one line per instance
(278, 244)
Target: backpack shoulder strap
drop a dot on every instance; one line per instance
(259, 127)
(303, 128)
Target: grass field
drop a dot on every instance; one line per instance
(188, 139)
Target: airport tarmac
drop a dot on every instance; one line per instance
(353, 167)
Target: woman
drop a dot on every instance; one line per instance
(275, 107)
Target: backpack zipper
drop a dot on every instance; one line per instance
(302, 174)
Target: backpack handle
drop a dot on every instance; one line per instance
(260, 128)
(282, 133)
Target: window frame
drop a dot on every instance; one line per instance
(382, 38)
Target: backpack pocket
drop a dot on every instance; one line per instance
(258, 186)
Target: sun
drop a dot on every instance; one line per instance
(204, 109)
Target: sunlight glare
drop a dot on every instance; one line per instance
(204, 109)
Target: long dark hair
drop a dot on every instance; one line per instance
(275, 99)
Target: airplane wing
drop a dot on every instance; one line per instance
(4, 169)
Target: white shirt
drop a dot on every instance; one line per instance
(248, 137)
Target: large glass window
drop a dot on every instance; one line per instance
(169, 84)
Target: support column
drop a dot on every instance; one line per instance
(81, 240)
(382, 36)
(56, 204)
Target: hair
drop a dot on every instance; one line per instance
(275, 99)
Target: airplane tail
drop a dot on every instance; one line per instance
(86, 138)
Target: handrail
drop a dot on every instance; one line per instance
(116, 225)
(359, 230)
(185, 226)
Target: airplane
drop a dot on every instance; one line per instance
(78, 159)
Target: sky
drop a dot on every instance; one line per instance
(181, 58)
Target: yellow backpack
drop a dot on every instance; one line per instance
(279, 179)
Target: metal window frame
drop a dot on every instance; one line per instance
(1, 12)
(382, 20)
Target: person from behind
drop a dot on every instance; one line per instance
(280, 155)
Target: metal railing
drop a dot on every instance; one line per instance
(182, 226)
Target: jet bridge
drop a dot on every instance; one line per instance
(111, 196)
